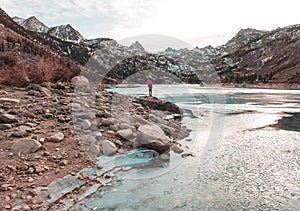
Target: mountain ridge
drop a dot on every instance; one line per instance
(251, 56)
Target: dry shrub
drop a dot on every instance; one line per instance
(14, 76)
(44, 70)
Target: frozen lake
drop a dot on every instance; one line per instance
(245, 147)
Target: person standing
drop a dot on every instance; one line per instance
(149, 84)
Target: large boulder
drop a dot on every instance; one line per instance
(81, 82)
(26, 146)
(153, 137)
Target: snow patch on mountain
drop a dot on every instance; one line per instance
(66, 33)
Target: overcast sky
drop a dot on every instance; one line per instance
(197, 22)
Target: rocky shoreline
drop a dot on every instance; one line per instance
(47, 132)
(264, 86)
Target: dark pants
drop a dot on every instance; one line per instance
(150, 90)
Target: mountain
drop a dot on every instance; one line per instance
(62, 32)
(31, 24)
(250, 57)
(137, 46)
(170, 50)
(66, 33)
(262, 56)
(18, 20)
(26, 57)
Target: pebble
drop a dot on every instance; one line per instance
(58, 137)
(63, 163)
(30, 179)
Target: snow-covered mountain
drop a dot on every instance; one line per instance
(62, 32)
(32, 24)
(66, 33)
(170, 50)
(137, 46)
(252, 56)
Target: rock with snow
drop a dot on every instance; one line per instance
(26, 146)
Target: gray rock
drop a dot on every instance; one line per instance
(20, 134)
(26, 146)
(184, 132)
(63, 162)
(38, 88)
(159, 146)
(81, 82)
(5, 126)
(176, 149)
(150, 132)
(9, 100)
(85, 115)
(86, 124)
(25, 128)
(156, 104)
(46, 91)
(126, 134)
(153, 137)
(124, 125)
(107, 114)
(58, 137)
(7, 118)
(108, 148)
(164, 157)
(107, 122)
(139, 121)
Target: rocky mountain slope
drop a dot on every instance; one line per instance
(65, 32)
(251, 57)
(266, 56)
(31, 24)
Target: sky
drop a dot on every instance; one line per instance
(197, 22)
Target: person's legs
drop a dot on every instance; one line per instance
(150, 92)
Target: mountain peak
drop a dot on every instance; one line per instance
(175, 51)
(65, 32)
(137, 46)
(33, 18)
(31, 24)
